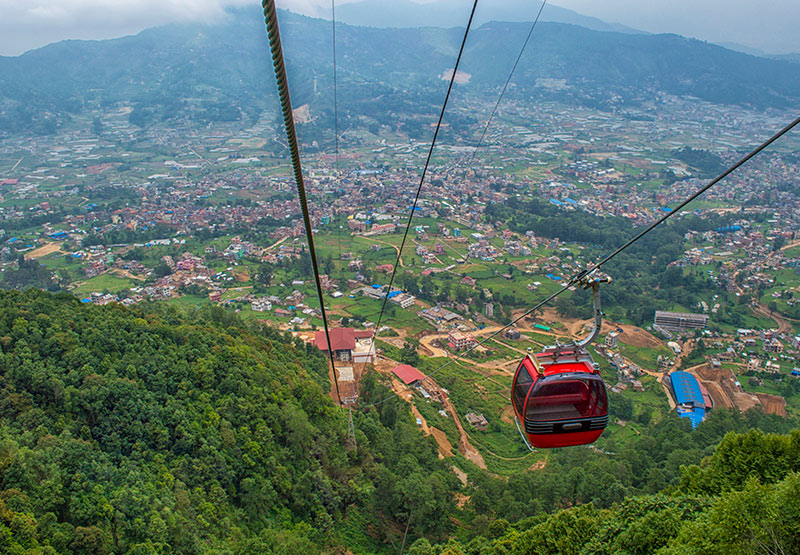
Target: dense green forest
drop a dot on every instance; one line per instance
(742, 499)
(152, 430)
(144, 431)
(707, 162)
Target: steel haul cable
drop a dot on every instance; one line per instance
(336, 128)
(580, 275)
(271, 20)
(499, 99)
(425, 169)
(508, 80)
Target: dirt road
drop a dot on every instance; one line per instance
(44, 250)
(783, 325)
(427, 342)
(686, 349)
(443, 445)
(791, 245)
(395, 247)
(465, 447)
(278, 242)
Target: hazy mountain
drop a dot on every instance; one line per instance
(223, 72)
(742, 48)
(453, 13)
(795, 57)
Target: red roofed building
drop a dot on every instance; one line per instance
(408, 374)
(380, 229)
(348, 344)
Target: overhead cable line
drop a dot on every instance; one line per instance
(510, 75)
(581, 275)
(336, 129)
(425, 169)
(271, 20)
(500, 98)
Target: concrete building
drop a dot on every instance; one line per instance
(403, 300)
(477, 421)
(680, 321)
(459, 340)
(773, 346)
(261, 305)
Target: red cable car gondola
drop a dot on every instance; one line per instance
(558, 395)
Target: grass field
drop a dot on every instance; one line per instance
(643, 356)
(103, 283)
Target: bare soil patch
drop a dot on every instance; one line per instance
(634, 336)
(773, 404)
(540, 465)
(44, 250)
(445, 449)
(508, 414)
(721, 385)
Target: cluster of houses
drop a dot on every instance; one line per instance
(745, 348)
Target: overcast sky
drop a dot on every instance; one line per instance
(770, 26)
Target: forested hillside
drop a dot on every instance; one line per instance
(743, 499)
(150, 430)
(146, 432)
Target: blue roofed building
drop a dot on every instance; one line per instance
(688, 397)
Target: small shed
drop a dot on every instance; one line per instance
(408, 374)
(477, 421)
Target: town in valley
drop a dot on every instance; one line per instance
(207, 215)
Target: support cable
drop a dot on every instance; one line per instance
(271, 20)
(425, 170)
(580, 275)
(503, 92)
(336, 128)
(499, 99)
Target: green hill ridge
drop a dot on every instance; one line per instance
(222, 72)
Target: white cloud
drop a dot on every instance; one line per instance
(771, 26)
(29, 24)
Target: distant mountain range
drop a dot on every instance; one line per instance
(223, 72)
(453, 13)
